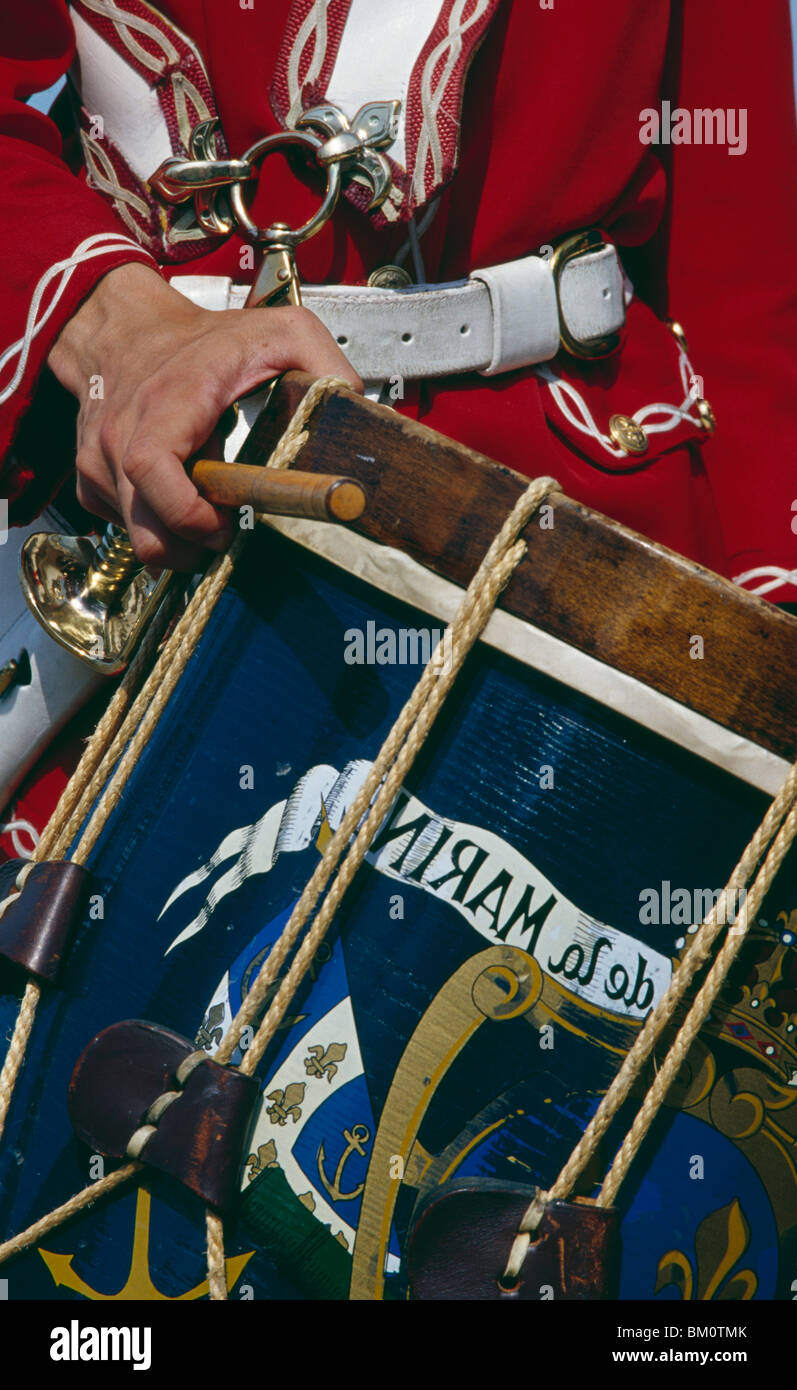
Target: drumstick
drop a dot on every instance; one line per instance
(317, 496)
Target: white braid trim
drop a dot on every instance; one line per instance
(773, 576)
(17, 889)
(123, 22)
(315, 28)
(431, 97)
(562, 391)
(100, 244)
(565, 394)
(14, 828)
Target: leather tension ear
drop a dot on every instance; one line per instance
(141, 1091)
(460, 1240)
(37, 928)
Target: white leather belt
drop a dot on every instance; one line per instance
(508, 316)
(499, 319)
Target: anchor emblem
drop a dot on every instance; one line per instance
(138, 1284)
(355, 1138)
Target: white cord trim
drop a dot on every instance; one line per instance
(773, 575)
(315, 27)
(17, 889)
(123, 22)
(87, 250)
(13, 828)
(672, 415)
(561, 391)
(449, 48)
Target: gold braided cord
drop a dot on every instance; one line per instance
(121, 735)
(82, 787)
(77, 797)
(698, 1013)
(767, 834)
(158, 690)
(111, 735)
(86, 780)
(217, 1269)
(126, 732)
(78, 1203)
(393, 761)
(15, 1055)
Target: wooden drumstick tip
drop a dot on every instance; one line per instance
(278, 491)
(346, 500)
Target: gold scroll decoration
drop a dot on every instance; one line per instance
(498, 984)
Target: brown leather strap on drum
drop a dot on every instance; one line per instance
(140, 1091)
(458, 1246)
(37, 928)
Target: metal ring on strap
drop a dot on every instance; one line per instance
(255, 156)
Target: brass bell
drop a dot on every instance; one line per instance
(95, 598)
(92, 596)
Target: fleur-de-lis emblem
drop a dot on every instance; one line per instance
(286, 1104)
(355, 144)
(322, 1063)
(266, 1157)
(721, 1239)
(210, 1033)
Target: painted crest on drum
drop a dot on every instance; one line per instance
(435, 1036)
(498, 893)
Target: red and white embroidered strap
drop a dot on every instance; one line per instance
(418, 52)
(143, 87)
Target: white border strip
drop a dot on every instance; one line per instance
(397, 574)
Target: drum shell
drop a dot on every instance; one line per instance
(269, 702)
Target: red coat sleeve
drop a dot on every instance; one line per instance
(57, 237)
(730, 256)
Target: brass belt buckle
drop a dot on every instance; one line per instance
(568, 249)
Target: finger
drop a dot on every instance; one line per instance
(94, 502)
(95, 478)
(155, 473)
(154, 545)
(293, 338)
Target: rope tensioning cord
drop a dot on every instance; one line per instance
(120, 738)
(767, 839)
(118, 731)
(127, 737)
(80, 792)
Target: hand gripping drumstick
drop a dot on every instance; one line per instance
(95, 598)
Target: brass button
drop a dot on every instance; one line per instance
(678, 333)
(628, 434)
(389, 277)
(707, 417)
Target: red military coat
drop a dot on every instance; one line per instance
(549, 144)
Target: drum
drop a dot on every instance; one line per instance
(602, 759)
